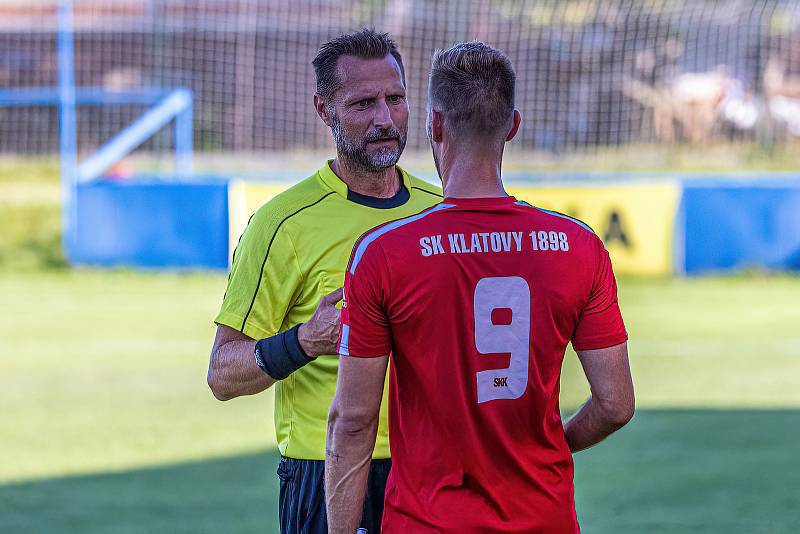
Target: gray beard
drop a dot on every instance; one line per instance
(356, 156)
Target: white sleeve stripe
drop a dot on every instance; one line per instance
(343, 348)
(368, 239)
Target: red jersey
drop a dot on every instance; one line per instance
(476, 300)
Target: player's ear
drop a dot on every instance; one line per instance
(517, 120)
(323, 110)
(436, 125)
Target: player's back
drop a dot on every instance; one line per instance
(482, 297)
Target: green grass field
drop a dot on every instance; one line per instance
(108, 425)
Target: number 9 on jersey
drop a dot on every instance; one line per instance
(511, 292)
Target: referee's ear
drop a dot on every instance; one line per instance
(322, 110)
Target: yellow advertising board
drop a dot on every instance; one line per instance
(635, 220)
(244, 199)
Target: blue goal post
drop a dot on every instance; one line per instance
(165, 105)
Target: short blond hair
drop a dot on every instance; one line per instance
(472, 85)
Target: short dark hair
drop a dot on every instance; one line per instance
(472, 85)
(365, 44)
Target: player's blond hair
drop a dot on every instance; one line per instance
(472, 85)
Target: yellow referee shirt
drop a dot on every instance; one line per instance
(294, 251)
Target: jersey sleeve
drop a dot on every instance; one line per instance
(364, 330)
(264, 280)
(600, 324)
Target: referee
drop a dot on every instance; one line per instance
(278, 314)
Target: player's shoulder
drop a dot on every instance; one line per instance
(581, 236)
(379, 236)
(558, 218)
(292, 202)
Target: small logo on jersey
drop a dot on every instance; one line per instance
(344, 299)
(501, 382)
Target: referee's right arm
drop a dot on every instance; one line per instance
(240, 365)
(232, 368)
(253, 347)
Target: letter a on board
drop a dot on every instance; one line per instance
(615, 231)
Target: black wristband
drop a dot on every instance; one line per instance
(281, 355)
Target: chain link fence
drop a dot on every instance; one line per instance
(591, 74)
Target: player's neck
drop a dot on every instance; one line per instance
(381, 184)
(472, 177)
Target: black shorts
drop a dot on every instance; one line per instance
(302, 498)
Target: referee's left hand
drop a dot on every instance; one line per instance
(321, 333)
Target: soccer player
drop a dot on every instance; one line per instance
(278, 314)
(476, 300)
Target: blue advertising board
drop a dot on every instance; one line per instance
(152, 224)
(733, 226)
